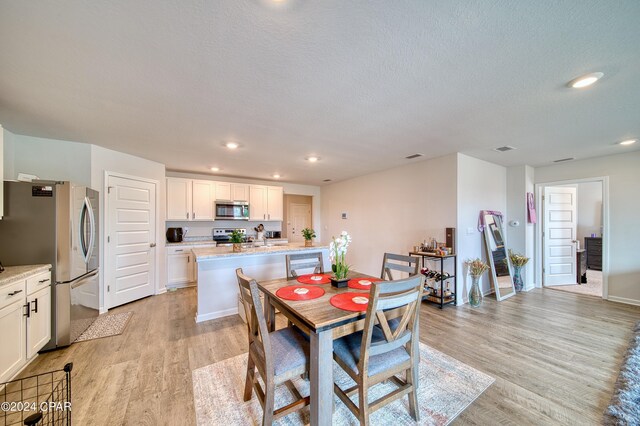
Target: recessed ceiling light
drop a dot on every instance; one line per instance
(312, 159)
(276, 176)
(562, 160)
(412, 156)
(327, 180)
(215, 169)
(504, 148)
(627, 142)
(232, 145)
(585, 80)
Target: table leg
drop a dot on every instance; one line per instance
(269, 313)
(321, 378)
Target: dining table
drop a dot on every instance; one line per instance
(323, 323)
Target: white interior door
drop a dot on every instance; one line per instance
(300, 218)
(131, 232)
(559, 235)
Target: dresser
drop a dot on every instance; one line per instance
(594, 252)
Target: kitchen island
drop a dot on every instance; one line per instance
(216, 273)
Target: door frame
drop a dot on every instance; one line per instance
(539, 253)
(105, 220)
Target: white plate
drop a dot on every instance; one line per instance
(301, 291)
(359, 300)
(364, 282)
(316, 277)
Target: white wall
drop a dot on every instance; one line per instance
(105, 160)
(204, 228)
(520, 180)
(589, 210)
(481, 186)
(391, 210)
(49, 159)
(623, 171)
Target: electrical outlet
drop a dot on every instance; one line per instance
(344, 215)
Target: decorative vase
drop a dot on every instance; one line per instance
(339, 283)
(518, 283)
(308, 243)
(237, 247)
(475, 294)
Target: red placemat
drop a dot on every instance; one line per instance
(345, 302)
(307, 279)
(288, 293)
(355, 283)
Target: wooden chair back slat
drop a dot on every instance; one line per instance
(304, 261)
(398, 262)
(256, 322)
(387, 295)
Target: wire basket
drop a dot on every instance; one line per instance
(43, 399)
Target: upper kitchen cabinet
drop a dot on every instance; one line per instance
(178, 199)
(190, 199)
(227, 191)
(265, 202)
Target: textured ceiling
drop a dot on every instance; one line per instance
(362, 84)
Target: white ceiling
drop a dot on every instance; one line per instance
(362, 84)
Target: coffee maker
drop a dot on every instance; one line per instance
(174, 235)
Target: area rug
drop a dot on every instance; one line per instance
(447, 387)
(624, 408)
(105, 326)
(593, 286)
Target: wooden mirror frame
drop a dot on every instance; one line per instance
(489, 232)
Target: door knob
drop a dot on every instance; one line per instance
(152, 245)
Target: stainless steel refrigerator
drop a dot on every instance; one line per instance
(56, 223)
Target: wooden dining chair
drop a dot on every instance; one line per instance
(278, 356)
(380, 353)
(302, 261)
(399, 262)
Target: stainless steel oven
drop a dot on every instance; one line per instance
(232, 210)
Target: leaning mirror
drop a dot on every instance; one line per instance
(494, 242)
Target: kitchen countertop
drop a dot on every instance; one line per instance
(210, 253)
(16, 273)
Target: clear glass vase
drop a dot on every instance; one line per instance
(518, 283)
(475, 294)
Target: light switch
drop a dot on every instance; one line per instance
(470, 230)
(344, 215)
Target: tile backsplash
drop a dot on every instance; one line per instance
(204, 229)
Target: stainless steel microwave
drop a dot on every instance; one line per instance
(232, 210)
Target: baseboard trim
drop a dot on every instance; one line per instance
(161, 291)
(217, 314)
(103, 310)
(624, 300)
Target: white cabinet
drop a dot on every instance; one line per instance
(202, 201)
(189, 199)
(265, 202)
(239, 192)
(223, 191)
(180, 268)
(38, 320)
(227, 191)
(181, 264)
(14, 331)
(275, 209)
(25, 321)
(178, 199)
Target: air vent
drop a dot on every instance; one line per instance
(562, 160)
(411, 157)
(327, 180)
(504, 148)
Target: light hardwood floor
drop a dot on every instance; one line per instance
(555, 357)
